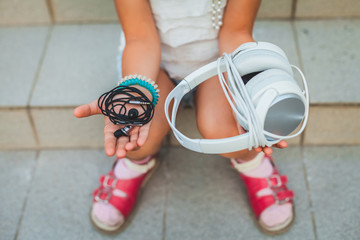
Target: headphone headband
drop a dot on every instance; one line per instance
(271, 57)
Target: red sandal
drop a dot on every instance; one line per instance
(121, 194)
(280, 195)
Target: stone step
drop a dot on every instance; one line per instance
(46, 71)
(15, 12)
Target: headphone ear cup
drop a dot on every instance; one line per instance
(258, 60)
(266, 78)
(287, 110)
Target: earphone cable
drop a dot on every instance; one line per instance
(113, 104)
(236, 92)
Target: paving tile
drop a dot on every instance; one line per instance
(21, 50)
(60, 210)
(57, 127)
(16, 170)
(148, 221)
(84, 11)
(79, 66)
(333, 125)
(296, 141)
(206, 199)
(15, 129)
(275, 9)
(290, 162)
(24, 12)
(279, 33)
(185, 123)
(333, 175)
(327, 8)
(330, 59)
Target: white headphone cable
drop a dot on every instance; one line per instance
(236, 92)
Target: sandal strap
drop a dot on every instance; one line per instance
(121, 193)
(274, 181)
(280, 194)
(259, 204)
(122, 202)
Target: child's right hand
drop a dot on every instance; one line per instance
(122, 145)
(269, 151)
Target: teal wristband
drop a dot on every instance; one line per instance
(143, 82)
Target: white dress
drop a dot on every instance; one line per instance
(188, 39)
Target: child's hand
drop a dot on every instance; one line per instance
(269, 151)
(122, 145)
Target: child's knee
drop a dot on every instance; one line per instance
(215, 127)
(212, 127)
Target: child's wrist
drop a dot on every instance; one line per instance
(144, 84)
(145, 91)
(228, 42)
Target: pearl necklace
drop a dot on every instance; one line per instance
(216, 14)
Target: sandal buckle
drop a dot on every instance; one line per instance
(279, 201)
(108, 192)
(278, 181)
(106, 182)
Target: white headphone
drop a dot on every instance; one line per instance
(269, 106)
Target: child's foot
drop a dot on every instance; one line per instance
(269, 197)
(117, 194)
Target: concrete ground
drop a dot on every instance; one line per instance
(46, 194)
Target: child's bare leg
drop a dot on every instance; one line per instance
(215, 118)
(139, 161)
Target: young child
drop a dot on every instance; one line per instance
(165, 41)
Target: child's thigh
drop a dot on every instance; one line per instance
(214, 115)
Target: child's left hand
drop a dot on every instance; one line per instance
(122, 145)
(269, 151)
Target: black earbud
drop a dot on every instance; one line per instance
(123, 131)
(133, 113)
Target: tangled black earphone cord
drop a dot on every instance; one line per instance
(113, 104)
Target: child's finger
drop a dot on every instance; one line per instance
(87, 110)
(258, 149)
(267, 150)
(143, 134)
(120, 147)
(109, 143)
(282, 144)
(109, 138)
(133, 139)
